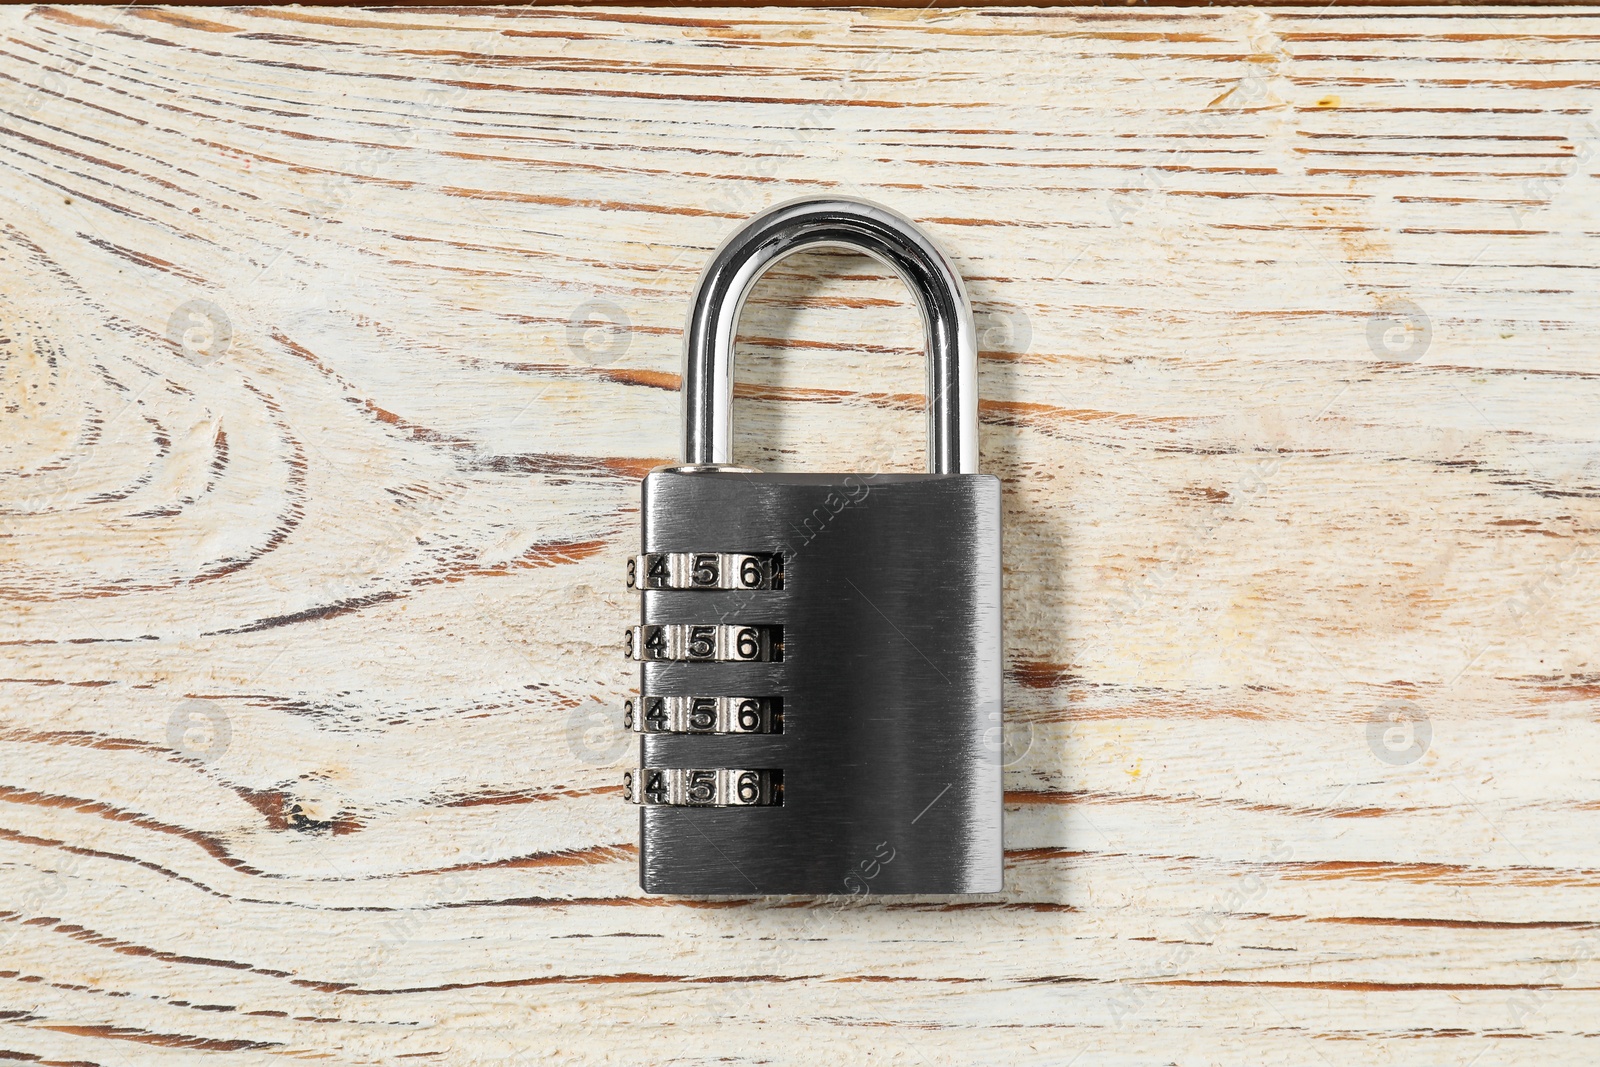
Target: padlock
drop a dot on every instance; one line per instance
(819, 689)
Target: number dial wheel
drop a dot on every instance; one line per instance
(704, 643)
(704, 715)
(705, 570)
(703, 788)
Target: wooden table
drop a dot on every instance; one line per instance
(336, 342)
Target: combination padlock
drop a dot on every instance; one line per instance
(819, 689)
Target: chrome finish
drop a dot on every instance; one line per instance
(705, 643)
(717, 787)
(838, 222)
(705, 570)
(704, 715)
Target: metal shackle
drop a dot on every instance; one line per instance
(859, 226)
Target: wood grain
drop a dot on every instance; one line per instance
(337, 340)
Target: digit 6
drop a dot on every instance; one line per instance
(749, 715)
(749, 787)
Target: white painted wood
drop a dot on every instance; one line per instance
(317, 491)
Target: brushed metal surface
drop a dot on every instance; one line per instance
(890, 680)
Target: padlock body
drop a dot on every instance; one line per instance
(889, 629)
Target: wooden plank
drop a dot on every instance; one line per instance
(336, 341)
